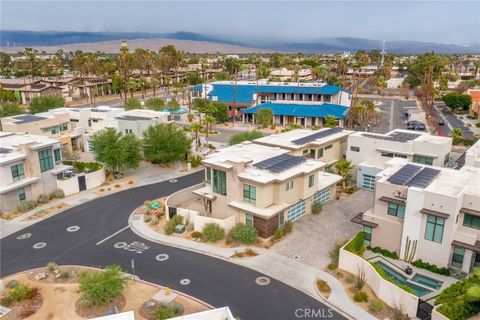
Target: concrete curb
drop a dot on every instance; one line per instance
(98, 269)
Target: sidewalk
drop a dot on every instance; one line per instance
(281, 268)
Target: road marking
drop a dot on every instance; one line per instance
(162, 257)
(39, 245)
(262, 281)
(24, 236)
(73, 229)
(185, 282)
(112, 235)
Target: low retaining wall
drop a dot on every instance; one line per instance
(391, 294)
(181, 196)
(200, 221)
(93, 179)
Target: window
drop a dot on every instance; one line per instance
(289, 185)
(281, 219)
(396, 210)
(311, 181)
(248, 219)
(46, 160)
(422, 159)
(471, 221)
(128, 131)
(304, 152)
(322, 196)
(367, 240)
(329, 169)
(457, 257)
(328, 147)
(57, 155)
(354, 149)
(208, 174)
(387, 154)
(319, 153)
(22, 197)
(399, 155)
(18, 172)
(64, 126)
(447, 159)
(312, 153)
(249, 194)
(219, 182)
(434, 228)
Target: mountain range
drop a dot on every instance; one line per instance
(50, 41)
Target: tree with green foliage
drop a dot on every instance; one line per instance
(164, 143)
(99, 287)
(362, 114)
(457, 101)
(196, 127)
(245, 136)
(7, 96)
(116, 151)
(209, 122)
(330, 121)
(222, 76)
(173, 106)
(45, 103)
(457, 135)
(264, 117)
(10, 109)
(132, 103)
(157, 104)
(200, 105)
(221, 112)
(344, 168)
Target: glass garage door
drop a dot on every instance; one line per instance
(368, 182)
(322, 196)
(297, 210)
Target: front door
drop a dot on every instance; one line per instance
(82, 183)
(291, 120)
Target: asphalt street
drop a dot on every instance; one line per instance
(103, 238)
(441, 109)
(393, 114)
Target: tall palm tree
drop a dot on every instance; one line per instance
(196, 127)
(209, 121)
(344, 168)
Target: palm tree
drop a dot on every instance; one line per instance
(196, 127)
(155, 83)
(209, 121)
(344, 168)
(132, 85)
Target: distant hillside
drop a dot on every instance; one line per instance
(196, 42)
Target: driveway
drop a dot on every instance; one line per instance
(314, 236)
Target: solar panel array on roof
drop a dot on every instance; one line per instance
(25, 118)
(395, 136)
(317, 135)
(404, 175)
(5, 150)
(414, 176)
(423, 178)
(280, 163)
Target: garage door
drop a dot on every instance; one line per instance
(297, 210)
(322, 196)
(368, 182)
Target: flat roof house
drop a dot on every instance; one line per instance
(327, 144)
(428, 213)
(369, 152)
(306, 104)
(136, 121)
(257, 185)
(29, 165)
(53, 123)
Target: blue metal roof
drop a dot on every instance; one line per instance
(302, 110)
(245, 92)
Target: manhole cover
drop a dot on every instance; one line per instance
(185, 282)
(39, 245)
(296, 257)
(162, 257)
(120, 245)
(73, 228)
(24, 236)
(262, 281)
(172, 180)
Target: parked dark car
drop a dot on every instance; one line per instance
(420, 127)
(412, 124)
(441, 122)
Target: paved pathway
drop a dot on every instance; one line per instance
(314, 236)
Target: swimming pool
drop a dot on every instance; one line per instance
(428, 282)
(399, 278)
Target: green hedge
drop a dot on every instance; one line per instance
(245, 234)
(356, 244)
(384, 252)
(430, 267)
(81, 166)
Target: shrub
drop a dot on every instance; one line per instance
(99, 287)
(58, 194)
(385, 252)
(245, 234)
(154, 221)
(51, 266)
(172, 223)
(287, 227)
(356, 244)
(22, 292)
(350, 189)
(360, 278)
(477, 124)
(431, 267)
(278, 234)
(196, 234)
(65, 274)
(26, 206)
(339, 274)
(350, 278)
(213, 232)
(177, 308)
(147, 218)
(323, 286)
(317, 207)
(245, 136)
(332, 266)
(163, 313)
(195, 160)
(376, 305)
(6, 301)
(42, 198)
(360, 297)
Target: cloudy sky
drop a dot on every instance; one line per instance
(436, 21)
